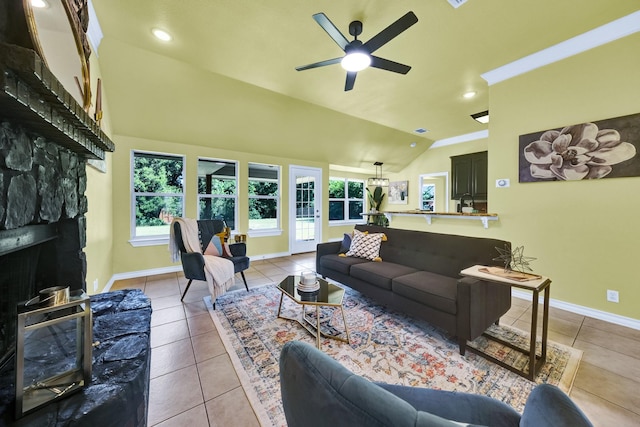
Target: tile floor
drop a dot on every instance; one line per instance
(193, 382)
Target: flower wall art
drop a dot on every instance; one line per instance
(602, 149)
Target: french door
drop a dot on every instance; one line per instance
(305, 206)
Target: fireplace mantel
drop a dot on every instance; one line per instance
(30, 93)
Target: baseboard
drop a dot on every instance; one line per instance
(584, 311)
(268, 256)
(141, 273)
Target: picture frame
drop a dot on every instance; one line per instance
(398, 193)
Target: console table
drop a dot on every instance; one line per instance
(118, 394)
(541, 284)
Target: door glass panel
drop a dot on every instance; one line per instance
(305, 208)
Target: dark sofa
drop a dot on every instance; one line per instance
(317, 391)
(419, 275)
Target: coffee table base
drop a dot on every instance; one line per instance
(315, 330)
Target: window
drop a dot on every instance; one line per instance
(218, 191)
(428, 196)
(157, 194)
(264, 198)
(346, 199)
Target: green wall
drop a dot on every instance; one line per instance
(583, 233)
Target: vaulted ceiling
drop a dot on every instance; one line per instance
(228, 78)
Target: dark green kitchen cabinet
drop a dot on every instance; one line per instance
(469, 175)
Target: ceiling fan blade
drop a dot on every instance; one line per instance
(319, 64)
(331, 29)
(393, 30)
(385, 64)
(351, 80)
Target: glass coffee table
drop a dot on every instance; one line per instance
(329, 295)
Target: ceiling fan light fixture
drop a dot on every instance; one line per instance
(355, 61)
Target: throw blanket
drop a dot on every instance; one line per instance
(218, 270)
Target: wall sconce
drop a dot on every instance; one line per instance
(378, 180)
(482, 117)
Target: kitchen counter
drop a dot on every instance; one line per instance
(428, 215)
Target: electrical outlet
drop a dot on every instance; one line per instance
(95, 285)
(613, 296)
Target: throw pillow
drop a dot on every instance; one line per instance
(225, 251)
(214, 247)
(346, 243)
(367, 246)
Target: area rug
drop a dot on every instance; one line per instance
(385, 346)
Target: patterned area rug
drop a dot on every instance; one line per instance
(385, 346)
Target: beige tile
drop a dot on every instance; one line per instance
(601, 412)
(167, 315)
(556, 326)
(159, 303)
(195, 308)
(217, 376)
(231, 409)
(206, 346)
(171, 357)
(610, 340)
(134, 283)
(169, 332)
(162, 277)
(161, 289)
(194, 417)
(173, 394)
(200, 324)
(614, 388)
(612, 328)
(605, 358)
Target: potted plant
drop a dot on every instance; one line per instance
(375, 202)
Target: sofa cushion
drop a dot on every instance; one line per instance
(340, 264)
(380, 274)
(429, 289)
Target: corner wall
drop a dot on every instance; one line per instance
(582, 232)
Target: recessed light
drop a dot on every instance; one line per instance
(40, 4)
(470, 94)
(161, 35)
(421, 130)
(412, 145)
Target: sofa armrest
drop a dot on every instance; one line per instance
(329, 248)
(238, 249)
(193, 265)
(548, 406)
(480, 304)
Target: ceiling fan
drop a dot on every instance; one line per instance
(358, 55)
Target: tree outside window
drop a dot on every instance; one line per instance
(264, 200)
(346, 199)
(218, 190)
(157, 192)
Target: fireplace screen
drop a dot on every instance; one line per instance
(53, 350)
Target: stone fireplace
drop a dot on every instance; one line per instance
(45, 141)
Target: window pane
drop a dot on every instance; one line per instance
(218, 208)
(336, 189)
(155, 213)
(261, 188)
(157, 173)
(428, 196)
(336, 210)
(263, 171)
(216, 177)
(356, 190)
(263, 214)
(355, 209)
